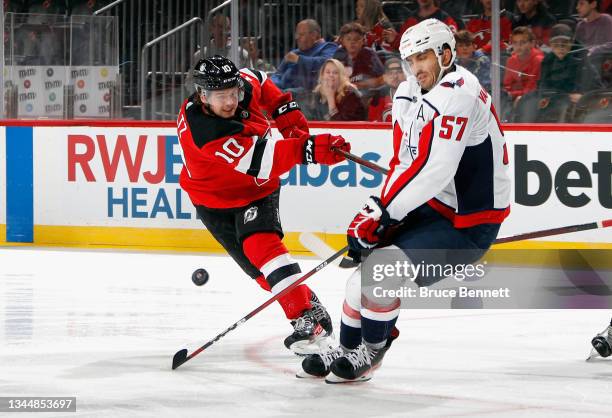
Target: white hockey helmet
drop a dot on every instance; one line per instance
(428, 34)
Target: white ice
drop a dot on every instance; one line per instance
(103, 326)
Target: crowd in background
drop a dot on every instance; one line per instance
(556, 58)
(551, 67)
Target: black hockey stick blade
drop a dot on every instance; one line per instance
(347, 263)
(179, 358)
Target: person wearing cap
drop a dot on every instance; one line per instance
(476, 61)
(382, 98)
(564, 76)
(231, 170)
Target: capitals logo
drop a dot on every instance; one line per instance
(451, 84)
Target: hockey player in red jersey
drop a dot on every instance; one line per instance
(447, 189)
(231, 172)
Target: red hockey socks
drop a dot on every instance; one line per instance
(267, 252)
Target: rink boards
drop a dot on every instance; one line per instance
(115, 184)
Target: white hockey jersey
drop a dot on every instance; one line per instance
(449, 152)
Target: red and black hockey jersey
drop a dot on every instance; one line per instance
(229, 163)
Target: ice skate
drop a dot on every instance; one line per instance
(317, 365)
(359, 364)
(602, 343)
(312, 331)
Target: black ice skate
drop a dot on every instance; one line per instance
(317, 365)
(359, 364)
(602, 343)
(312, 331)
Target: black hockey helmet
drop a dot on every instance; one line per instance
(216, 73)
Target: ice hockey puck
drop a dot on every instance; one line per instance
(199, 277)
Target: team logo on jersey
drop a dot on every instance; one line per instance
(244, 114)
(250, 214)
(451, 84)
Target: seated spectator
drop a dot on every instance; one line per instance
(335, 98)
(251, 45)
(523, 67)
(370, 14)
(382, 98)
(565, 76)
(220, 43)
(535, 15)
(299, 68)
(595, 30)
(563, 69)
(474, 60)
(362, 64)
(481, 28)
(427, 9)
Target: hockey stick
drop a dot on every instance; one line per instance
(361, 161)
(182, 356)
(321, 249)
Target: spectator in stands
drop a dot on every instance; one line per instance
(481, 28)
(565, 76)
(362, 64)
(379, 109)
(595, 30)
(251, 45)
(221, 43)
(335, 98)
(564, 70)
(371, 16)
(523, 67)
(474, 60)
(427, 9)
(299, 68)
(534, 14)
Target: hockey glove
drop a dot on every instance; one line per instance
(290, 120)
(367, 228)
(318, 149)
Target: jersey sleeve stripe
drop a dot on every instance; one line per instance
(267, 160)
(259, 75)
(259, 148)
(246, 161)
(425, 143)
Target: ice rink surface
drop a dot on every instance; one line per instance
(103, 326)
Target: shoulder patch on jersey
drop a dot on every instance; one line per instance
(452, 84)
(205, 128)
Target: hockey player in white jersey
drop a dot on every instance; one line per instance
(447, 188)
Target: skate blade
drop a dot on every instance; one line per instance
(319, 345)
(332, 379)
(303, 375)
(592, 355)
